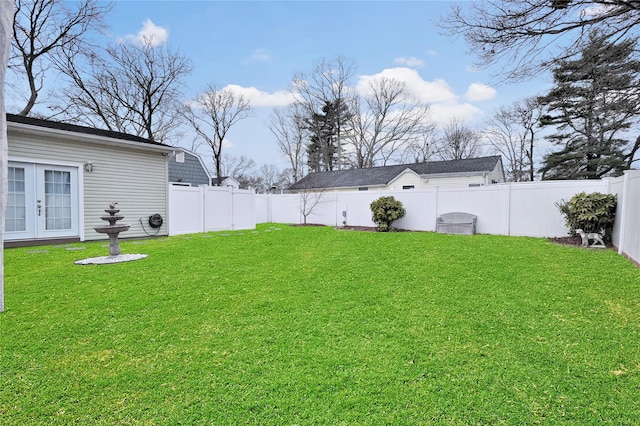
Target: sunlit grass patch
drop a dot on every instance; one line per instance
(308, 325)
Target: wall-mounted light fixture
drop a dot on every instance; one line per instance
(88, 166)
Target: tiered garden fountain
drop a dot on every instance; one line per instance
(112, 229)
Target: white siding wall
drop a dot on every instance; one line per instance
(421, 183)
(135, 178)
(496, 174)
(408, 179)
(455, 182)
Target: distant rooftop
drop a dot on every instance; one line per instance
(380, 176)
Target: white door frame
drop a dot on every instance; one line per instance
(36, 202)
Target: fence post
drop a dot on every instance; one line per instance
(623, 211)
(509, 209)
(230, 196)
(203, 208)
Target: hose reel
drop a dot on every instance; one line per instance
(155, 220)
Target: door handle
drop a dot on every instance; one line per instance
(39, 206)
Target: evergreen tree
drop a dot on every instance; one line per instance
(323, 150)
(593, 103)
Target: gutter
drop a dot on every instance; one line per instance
(28, 129)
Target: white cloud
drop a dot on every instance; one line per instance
(227, 143)
(150, 34)
(480, 92)
(443, 101)
(259, 98)
(260, 55)
(427, 91)
(410, 62)
(432, 52)
(595, 11)
(443, 112)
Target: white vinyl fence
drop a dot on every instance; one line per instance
(521, 209)
(626, 231)
(518, 209)
(210, 208)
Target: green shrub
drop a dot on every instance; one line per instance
(593, 212)
(384, 211)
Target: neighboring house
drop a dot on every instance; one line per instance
(186, 168)
(226, 181)
(63, 176)
(454, 173)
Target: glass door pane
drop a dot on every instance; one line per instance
(57, 200)
(16, 213)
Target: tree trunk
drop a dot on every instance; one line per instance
(6, 30)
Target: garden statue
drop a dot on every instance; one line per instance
(595, 236)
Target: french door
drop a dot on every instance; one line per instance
(42, 202)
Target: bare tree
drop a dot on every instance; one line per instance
(525, 34)
(310, 199)
(327, 84)
(386, 124)
(459, 141)
(6, 23)
(236, 166)
(212, 114)
(512, 133)
(269, 175)
(44, 29)
(134, 88)
(421, 148)
(285, 179)
(288, 127)
(249, 181)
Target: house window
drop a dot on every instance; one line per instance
(363, 188)
(408, 186)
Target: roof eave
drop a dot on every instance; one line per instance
(455, 174)
(86, 137)
(405, 171)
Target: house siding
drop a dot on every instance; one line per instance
(420, 182)
(407, 179)
(135, 178)
(190, 171)
(455, 182)
(497, 174)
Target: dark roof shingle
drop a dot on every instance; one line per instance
(50, 124)
(379, 176)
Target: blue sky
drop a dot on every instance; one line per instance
(257, 46)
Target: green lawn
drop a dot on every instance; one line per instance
(311, 325)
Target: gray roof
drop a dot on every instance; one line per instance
(380, 176)
(57, 125)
